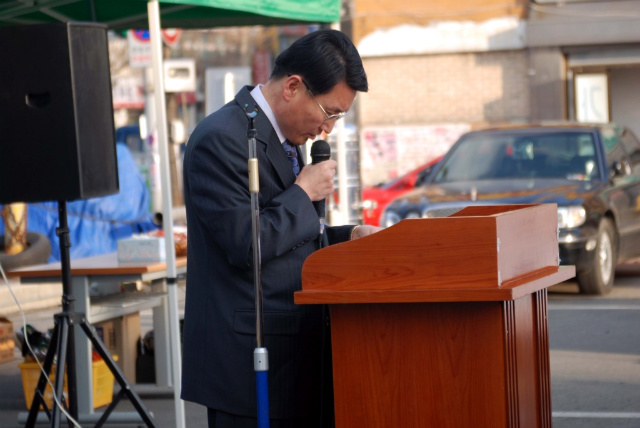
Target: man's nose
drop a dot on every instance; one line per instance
(327, 126)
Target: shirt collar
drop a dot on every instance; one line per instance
(256, 93)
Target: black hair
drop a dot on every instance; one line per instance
(323, 58)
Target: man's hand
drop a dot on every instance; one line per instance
(317, 180)
(364, 230)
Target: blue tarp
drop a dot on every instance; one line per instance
(96, 224)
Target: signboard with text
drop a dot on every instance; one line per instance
(140, 45)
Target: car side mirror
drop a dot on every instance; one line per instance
(618, 169)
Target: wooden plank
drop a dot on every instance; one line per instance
(511, 291)
(527, 242)
(105, 264)
(419, 365)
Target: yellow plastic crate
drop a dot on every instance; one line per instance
(102, 383)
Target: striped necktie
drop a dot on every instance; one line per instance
(292, 154)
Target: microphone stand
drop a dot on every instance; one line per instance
(260, 354)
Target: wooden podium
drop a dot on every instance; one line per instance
(442, 322)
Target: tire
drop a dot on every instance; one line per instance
(38, 251)
(599, 280)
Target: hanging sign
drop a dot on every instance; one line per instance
(170, 36)
(139, 48)
(140, 45)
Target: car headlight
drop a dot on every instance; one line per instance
(413, 214)
(389, 219)
(368, 204)
(572, 216)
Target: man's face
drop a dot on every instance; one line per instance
(307, 114)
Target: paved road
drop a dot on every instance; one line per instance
(595, 355)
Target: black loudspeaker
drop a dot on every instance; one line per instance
(57, 136)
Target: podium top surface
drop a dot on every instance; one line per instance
(480, 253)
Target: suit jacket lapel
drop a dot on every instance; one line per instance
(268, 140)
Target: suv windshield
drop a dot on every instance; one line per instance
(500, 155)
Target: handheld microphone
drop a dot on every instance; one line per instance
(320, 152)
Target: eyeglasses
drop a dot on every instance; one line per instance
(330, 117)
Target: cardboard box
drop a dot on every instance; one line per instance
(7, 342)
(120, 336)
(141, 249)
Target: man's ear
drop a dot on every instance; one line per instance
(292, 85)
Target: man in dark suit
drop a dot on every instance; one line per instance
(313, 84)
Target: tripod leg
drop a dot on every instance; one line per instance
(60, 370)
(38, 397)
(117, 373)
(57, 348)
(110, 409)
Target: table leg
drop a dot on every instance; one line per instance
(162, 350)
(84, 368)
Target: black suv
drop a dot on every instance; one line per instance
(592, 173)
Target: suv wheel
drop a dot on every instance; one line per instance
(599, 280)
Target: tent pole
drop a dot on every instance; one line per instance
(153, 9)
(343, 192)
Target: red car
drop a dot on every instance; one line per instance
(376, 198)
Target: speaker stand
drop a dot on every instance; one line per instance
(62, 347)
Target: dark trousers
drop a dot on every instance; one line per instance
(218, 419)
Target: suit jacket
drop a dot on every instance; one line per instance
(219, 322)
